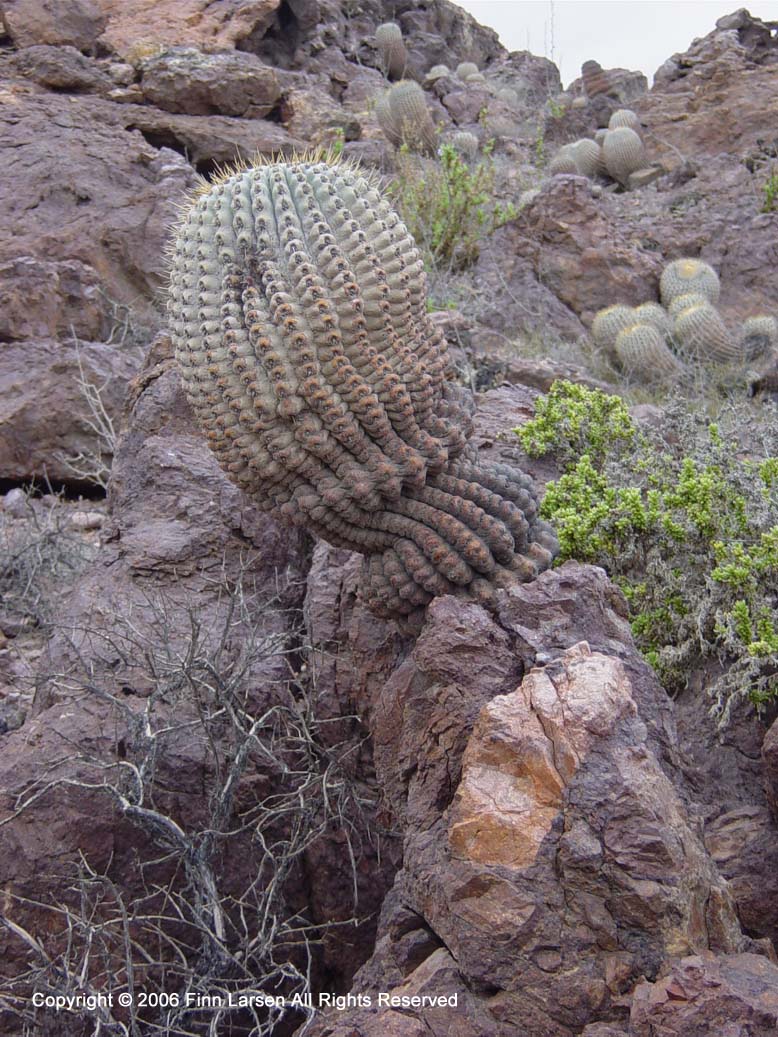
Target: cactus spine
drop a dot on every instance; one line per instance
(588, 158)
(685, 302)
(760, 336)
(403, 116)
(563, 161)
(465, 144)
(654, 314)
(297, 308)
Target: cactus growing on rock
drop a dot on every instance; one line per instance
(403, 116)
(607, 325)
(437, 72)
(465, 144)
(623, 152)
(654, 314)
(391, 48)
(563, 161)
(701, 335)
(760, 336)
(297, 306)
(683, 302)
(684, 276)
(467, 68)
(642, 352)
(624, 117)
(588, 158)
(508, 96)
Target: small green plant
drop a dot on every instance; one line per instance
(449, 206)
(685, 525)
(339, 139)
(770, 191)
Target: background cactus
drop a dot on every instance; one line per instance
(391, 49)
(684, 302)
(701, 335)
(588, 158)
(654, 314)
(623, 152)
(403, 116)
(760, 336)
(607, 325)
(467, 68)
(642, 352)
(475, 77)
(563, 161)
(437, 72)
(624, 117)
(683, 276)
(297, 306)
(508, 96)
(465, 144)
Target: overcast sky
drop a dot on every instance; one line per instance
(635, 34)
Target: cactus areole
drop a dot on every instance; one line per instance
(297, 304)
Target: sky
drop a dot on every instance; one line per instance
(634, 34)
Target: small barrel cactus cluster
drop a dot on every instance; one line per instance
(391, 50)
(404, 118)
(297, 305)
(617, 152)
(659, 342)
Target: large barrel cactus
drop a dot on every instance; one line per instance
(297, 302)
(403, 116)
(623, 153)
(686, 276)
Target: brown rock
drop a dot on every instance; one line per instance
(40, 299)
(71, 23)
(77, 186)
(617, 84)
(184, 80)
(148, 24)
(59, 68)
(45, 416)
(770, 757)
(703, 995)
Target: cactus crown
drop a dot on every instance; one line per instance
(298, 313)
(685, 276)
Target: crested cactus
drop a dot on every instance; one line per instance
(465, 144)
(623, 152)
(588, 158)
(624, 117)
(297, 307)
(467, 68)
(391, 49)
(403, 116)
(701, 335)
(760, 336)
(656, 315)
(684, 302)
(684, 276)
(642, 353)
(607, 325)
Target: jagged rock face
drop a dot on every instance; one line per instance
(298, 308)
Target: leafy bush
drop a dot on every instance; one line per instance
(770, 190)
(449, 205)
(685, 523)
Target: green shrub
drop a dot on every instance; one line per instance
(770, 190)
(686, 524)
(448, 205)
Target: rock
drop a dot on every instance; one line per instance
(534, 78)
(770, 758)
(744, 844)
(86, 520)
(616, 84)
(40, 299)
(78, 187)
(313, 116)
(703, 994)
(15, 503)
(60, 68)
(69, 23)
(186, 81)
(149, 25)
(46, 420)
(643, 177)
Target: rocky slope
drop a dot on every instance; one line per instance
(505, 810)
